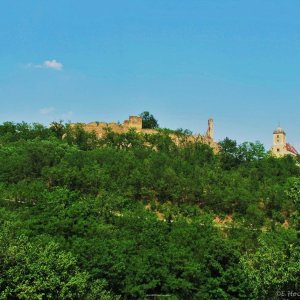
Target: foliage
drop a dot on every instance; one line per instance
(273, 268)
(133, 215)
(293, 190)
(148, 120)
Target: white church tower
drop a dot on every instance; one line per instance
(280, 146)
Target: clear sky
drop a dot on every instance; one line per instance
(184, 61)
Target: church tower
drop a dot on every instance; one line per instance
(279, 142)
(280, 146)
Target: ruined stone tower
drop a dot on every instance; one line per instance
(134, 122)
(210, 130)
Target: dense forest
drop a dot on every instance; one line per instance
(134, 216)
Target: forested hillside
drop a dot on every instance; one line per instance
(135, 216)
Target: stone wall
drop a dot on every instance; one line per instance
(134, 122)
(100, 128)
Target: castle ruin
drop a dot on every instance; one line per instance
(136, 123)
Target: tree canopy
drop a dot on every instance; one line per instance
(136, 216)
(149, 121)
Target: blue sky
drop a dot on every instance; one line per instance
(184, 61)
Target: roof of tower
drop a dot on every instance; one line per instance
(279, 130)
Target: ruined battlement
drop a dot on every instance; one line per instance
(136, 122)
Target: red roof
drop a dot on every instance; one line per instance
(291, 149)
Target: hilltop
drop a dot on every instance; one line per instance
(137, 216)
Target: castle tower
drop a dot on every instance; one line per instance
(210, 130)
(279, 142)
(134, 122)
